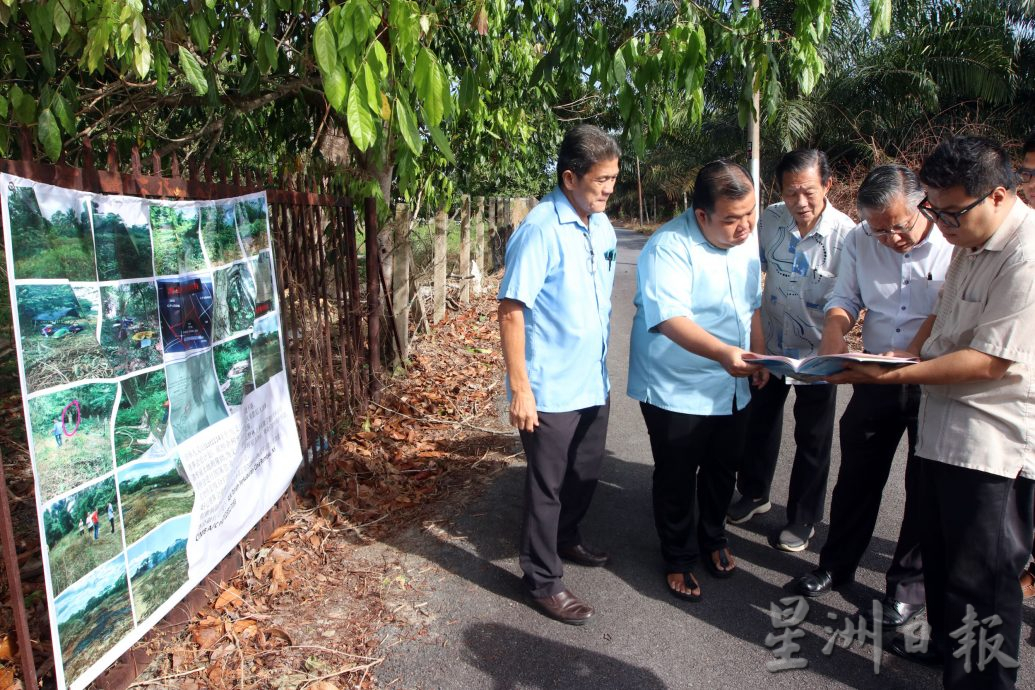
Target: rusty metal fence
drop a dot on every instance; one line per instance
(331, 313)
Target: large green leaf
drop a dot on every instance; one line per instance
(362, 127)
(49, 135)
(432, 89)
(193, 72)
(325, 47)
(59, 107)
(335, 86)
(407, 123)
(62, 22)
(442, 143)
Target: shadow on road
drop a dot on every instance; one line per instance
(480, 546)
(559, 665)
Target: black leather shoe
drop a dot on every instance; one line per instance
(930, 656)
(584, 555)
(816, 583)
(894, 612)
(565, 607)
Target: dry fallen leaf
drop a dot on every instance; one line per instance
(8, 648)
(323, 685)
(229, 598)
(281, 531)
(206, 637)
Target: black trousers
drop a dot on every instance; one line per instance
(976, 539)
(813, 437)
(694, 462)
(564, 456)
(871, 428)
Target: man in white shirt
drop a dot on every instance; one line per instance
(893, 266)
(800, 242)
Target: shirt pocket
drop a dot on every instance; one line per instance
(819, 285)
(966, 316)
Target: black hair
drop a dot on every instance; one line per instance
(884, 184)
(1029, 143)
(977, 164)
(721, 179)
(803, 160)
(583, 147)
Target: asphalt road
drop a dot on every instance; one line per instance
(475, 631)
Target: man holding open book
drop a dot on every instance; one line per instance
(892, 266)
(975, 420)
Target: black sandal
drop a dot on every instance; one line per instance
(689, 581)
(724, 561)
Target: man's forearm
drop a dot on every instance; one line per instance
(692, 338)
(922, 334)
(757, 335)
(962, 366)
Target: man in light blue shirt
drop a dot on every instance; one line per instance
(697, 300)
(554, 313)
(893, 266)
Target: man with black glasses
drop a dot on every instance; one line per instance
(978, 398)
(892, 267)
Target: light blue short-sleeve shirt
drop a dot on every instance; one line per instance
(563, 273)
(680, 274)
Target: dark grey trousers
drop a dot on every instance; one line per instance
(564, 456)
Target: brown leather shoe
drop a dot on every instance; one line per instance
(581, 554)
(1028, 581)
(565, 607)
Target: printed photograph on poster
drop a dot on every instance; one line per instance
(266, 361)
(234, 370)
(234, 301)
(177, 240)
(92, 616)
(158, 565)
(142, 418)
(262, 269)
(71, 436)
(129, 326)
(83, 530)
(252, 225)
(122, 236)
(194, 400)
(152, 492)
(50, 232)
(185, 305)
(58, 324)
(219, 234)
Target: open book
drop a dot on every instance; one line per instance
(821, 365)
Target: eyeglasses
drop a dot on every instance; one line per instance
(1025, 174)
(950, 219)
(893, 230)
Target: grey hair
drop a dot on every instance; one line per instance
(886, 183)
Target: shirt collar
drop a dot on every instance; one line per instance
(566, 213)
(1008, 228)
(693, 230)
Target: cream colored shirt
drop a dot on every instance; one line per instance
(987, 304)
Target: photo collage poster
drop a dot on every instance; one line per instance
(159, 421)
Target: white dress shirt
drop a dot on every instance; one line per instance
(897, 290)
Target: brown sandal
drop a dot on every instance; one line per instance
(1028, 581)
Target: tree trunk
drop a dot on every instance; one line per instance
(479, 245)
(439, 267)
(401, 279)
(465, 250)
